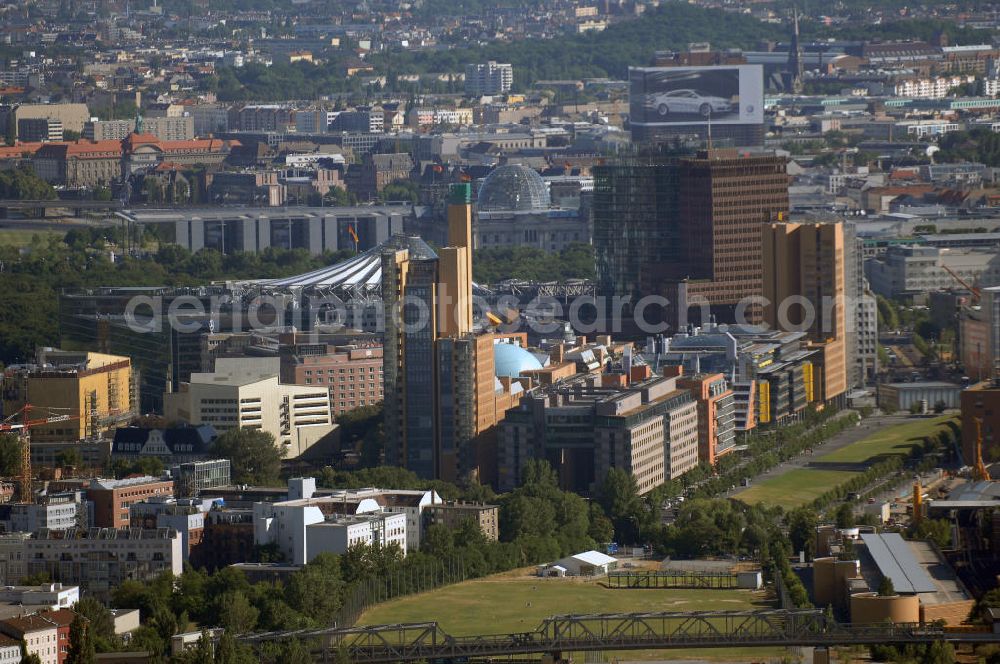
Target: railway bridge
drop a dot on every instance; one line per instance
(631, 631)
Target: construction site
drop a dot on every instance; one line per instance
(65, 400)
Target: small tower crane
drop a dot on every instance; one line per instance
(23, 427)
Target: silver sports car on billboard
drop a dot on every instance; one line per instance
(687, 101)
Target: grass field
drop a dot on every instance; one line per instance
(891, 440)
(794, 488)
(505, 604)
(19, 237)
(803, 485)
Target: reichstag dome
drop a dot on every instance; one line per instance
(513, 187)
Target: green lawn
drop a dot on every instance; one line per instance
(501, 605)
(794, 488)
(505, 604)
(891, 440)
(801, 486)
(20, 237)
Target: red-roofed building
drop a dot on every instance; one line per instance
(18, 151)
(143, 151)
(62, 619)
(79, 164)
(40, 636)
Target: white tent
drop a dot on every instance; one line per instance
(588, 563)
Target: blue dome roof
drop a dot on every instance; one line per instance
(511, 360)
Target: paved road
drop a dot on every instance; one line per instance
(842, 439)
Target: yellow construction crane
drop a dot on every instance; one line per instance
(23, 427)
(979, 471)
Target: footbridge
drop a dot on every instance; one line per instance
(632, 631)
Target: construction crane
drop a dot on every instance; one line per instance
(976, 294)
(24, 427)
(979, 471)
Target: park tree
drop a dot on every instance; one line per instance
(619, 496)
(316, 589)
(81, 642)
(101, 625)
(69, 457)
(10, 454)
(885, 587)
(802, 522)
(845, 516)
(231, 651)
(22, 184)
(255, 457)
(237, 614)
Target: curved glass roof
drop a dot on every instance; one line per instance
(513, 187)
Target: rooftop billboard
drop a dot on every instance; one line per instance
(665, 96)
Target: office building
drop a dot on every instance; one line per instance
(910, 272)
(442, 394)
(769, 371)
(194, 477)
(583, 429)
(981, 402)
(488, 79)
(364, 120)
(112, 498)
(252, 188)
(698, 100)
(453, 514)
(352, 374)
(979, 335)
(247, 393)
(101, 559)
(687, 228)
(250, 229)
(96, 391)
(716, 414)
(804, 290)
(35, 130)
(72, 116)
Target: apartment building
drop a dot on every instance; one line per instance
(39, 635)
(452, 514)
(489, 78)
(100, 559)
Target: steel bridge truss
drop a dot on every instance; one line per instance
(635, 631)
